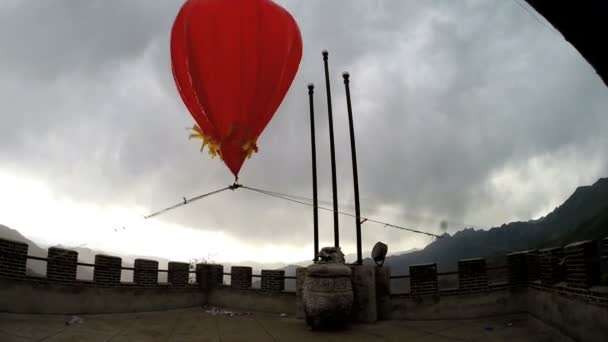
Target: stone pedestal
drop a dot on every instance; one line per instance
(384, 306)
(328, 296)
(364, 289)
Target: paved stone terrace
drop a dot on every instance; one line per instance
(196, 324)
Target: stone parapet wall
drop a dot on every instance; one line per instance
(34, 295)
(536, 279)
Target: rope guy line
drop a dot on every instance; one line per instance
(187, 201)
(284, 197)
(363, 219)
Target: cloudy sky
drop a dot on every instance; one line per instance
(474, 112)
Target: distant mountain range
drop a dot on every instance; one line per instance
(584, 215)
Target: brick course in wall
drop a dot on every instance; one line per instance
(13, 258)
(423, 279)
(61, 264)
(178, 273)
(472, 274)
(273, 280)
(209, 276)
(582, 264)
(240, 277)
(145, 272)
(552, 268)
(107, 270)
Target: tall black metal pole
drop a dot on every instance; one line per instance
(332, 152)
(311, 91)
(353, 149)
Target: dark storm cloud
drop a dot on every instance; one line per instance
(446, 95)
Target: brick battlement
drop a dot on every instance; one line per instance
(572, 270)
(61, 265)
(273, 281)
(145, 272)
(13, 258)
(472, 274)
(423, 279)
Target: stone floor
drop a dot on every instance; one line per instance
(197, 324)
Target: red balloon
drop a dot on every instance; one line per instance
(233, 62)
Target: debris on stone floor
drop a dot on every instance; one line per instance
(283, 315)
(213, 311)
(74, 320)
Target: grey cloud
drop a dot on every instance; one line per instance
(445, 94)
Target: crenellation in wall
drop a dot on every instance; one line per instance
(472, 274)
(423, 279)
(13, 258)
(145, 272)
(107, 270)
(178, 273)
(61, 264)
(273, 280)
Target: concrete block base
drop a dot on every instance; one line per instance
(364, 288)
(383, 293)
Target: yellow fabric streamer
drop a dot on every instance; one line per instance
(250, 147)
(213, 146)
